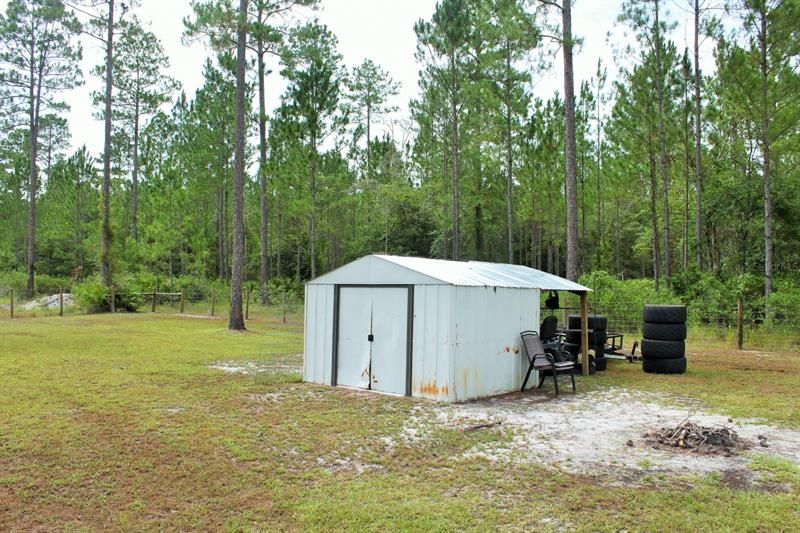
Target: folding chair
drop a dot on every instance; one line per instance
(540, 360)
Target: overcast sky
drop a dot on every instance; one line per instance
(381, 30)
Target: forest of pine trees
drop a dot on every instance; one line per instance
(678, 175)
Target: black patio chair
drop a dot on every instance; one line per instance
(542, 361)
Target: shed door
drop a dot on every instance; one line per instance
(379, 314)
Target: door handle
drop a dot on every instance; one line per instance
(370, 337)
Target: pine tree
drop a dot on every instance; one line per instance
(236, 319)
(141, 88)
(39, 58)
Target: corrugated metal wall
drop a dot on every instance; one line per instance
(488, 357)
(466, 342)
(318, 343)
(431, 376)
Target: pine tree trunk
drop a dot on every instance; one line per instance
(686, 173)
(262, 174)
(571, 177)
(600, 221)
(79, 221)
(33, 107)
(236, 317)
(478, 210)
(654, 219)
(136, 172)
(765, 155)
(662, 144)
(551, 232)
(313, 224)
(509, 159)
(369, 133)
(278, 254)
(698, 168)
(105, 232)
(685, 253)
(617, 238)
(456, 165)
(221, 234)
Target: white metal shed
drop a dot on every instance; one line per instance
(444, 330)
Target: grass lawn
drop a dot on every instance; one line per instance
(117, 422)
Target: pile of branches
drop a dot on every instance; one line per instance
(699, 439)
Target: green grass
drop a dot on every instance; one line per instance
(740, 384)
(116, 422)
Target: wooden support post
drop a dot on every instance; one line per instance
(739, 325)
(12, 303)
(213, 300)
(61, 301)
(183, 298)
(584, 334)
(113, 301)
(247, 305)
(155, 295)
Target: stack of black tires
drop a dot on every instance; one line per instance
(664, 339)
(598, 335)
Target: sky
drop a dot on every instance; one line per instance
(381, 30)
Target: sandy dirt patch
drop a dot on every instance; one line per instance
(48, 302)
(256, 367)
(589, 433)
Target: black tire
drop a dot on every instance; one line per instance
(664, 314)
(579, 367)
(654, 349)
(664, 366)
(596, 338)
(664, 332)
(599, 350)
(596, 322)
(600, 363)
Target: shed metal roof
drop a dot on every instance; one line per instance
(467, 274)
(482, 274)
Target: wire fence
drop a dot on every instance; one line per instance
(737, 327)
(285, 307)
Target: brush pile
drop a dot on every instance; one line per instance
(693, 437)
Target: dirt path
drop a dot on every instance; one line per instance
(589, 433)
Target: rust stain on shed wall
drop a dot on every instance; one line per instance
(432, 389)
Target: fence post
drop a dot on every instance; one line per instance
(213, 300)
(739, 325)
(183, 296)
(247, 305)
(283, 305)
(61, 301)
(154, 299)
(12, 303)
(113, 302)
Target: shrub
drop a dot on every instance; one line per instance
(622, 301)
(196, 288)
(288, 288)
(784, 304)
(14, 280)
(50, 284)
(93, 297)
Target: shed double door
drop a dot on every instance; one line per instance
(373, 333)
